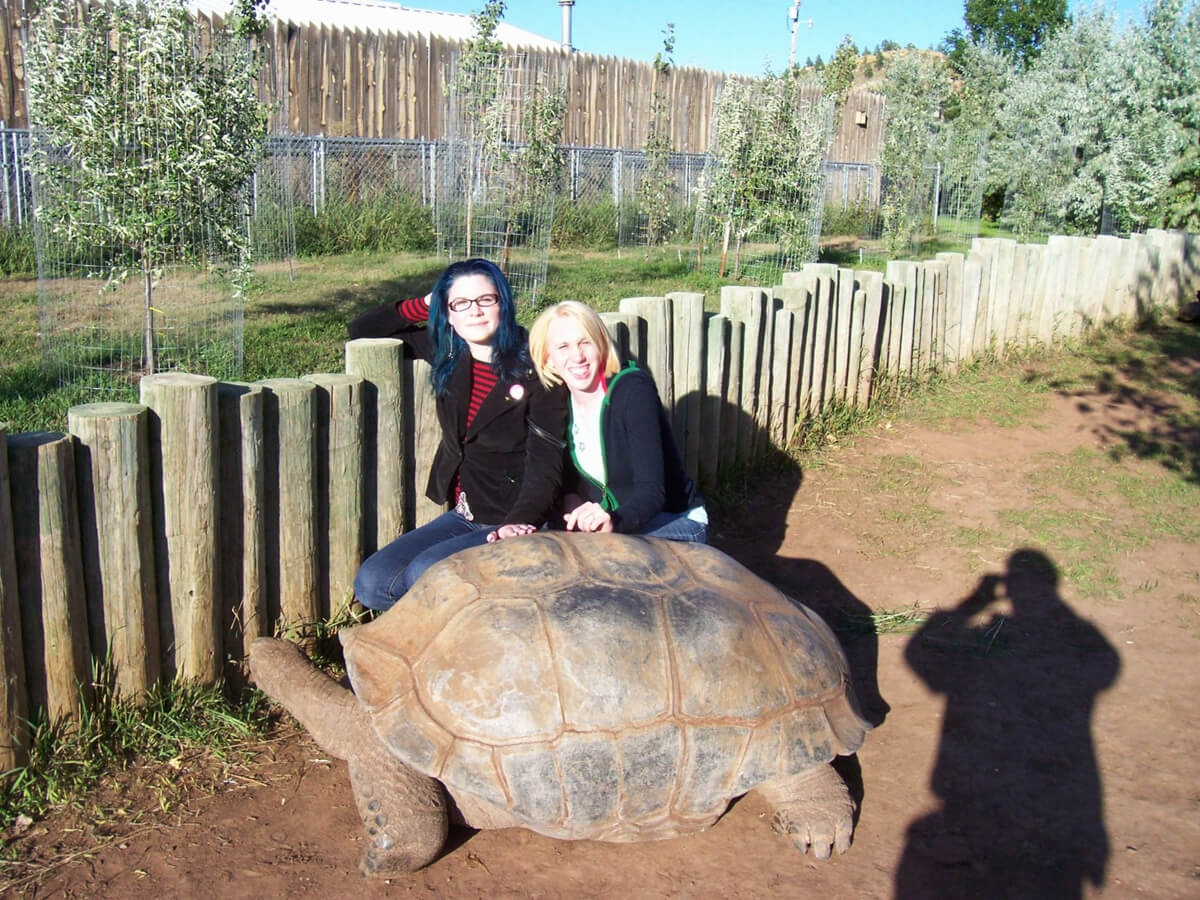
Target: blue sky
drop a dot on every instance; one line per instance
(742, 36)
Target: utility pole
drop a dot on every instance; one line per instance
(794, 17)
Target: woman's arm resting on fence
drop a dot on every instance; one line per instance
(390, 319)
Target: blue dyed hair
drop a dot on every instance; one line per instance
(510, 353)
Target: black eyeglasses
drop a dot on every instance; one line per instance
(462, 304)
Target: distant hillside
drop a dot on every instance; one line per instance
(872, 67)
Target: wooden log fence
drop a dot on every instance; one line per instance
(164, 536)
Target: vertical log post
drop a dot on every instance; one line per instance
(290, 444)
(687, 360)
(621, 329)
(951, 339)
(781, 364)
(712, 420)
(971, 298)
(14, 695)
(873, 332)
(794, 300)
(1000, 284)
(112, 470)
(379, 362)
(425, 434)
(339, 412)
(1017, 298)
(936, 272)
(183, 484)
(655, 313)
(243, 523)
(842, 334)
(749, 306)
(732, 412)
(1035, 255)
(855, 354)
(1059, 249)
(821, 363)
(49, 571)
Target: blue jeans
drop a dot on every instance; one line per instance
(389, 572)
(676, 527)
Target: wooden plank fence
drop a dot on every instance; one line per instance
(349, 83)
(168, 534)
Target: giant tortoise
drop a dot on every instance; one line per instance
(593, 686)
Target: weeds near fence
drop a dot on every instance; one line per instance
(17, 253)
(171, 724)
(394, 224)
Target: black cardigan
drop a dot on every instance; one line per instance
(644, 474)
(510, 459)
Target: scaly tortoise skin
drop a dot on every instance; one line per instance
(600, 687)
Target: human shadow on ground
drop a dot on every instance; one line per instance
(1016, 772)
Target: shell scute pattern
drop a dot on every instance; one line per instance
(709, 765)
(602, 686)
(533, 781)
(591, 779)
(644, 755)
(725, 664)
(508, 693)
(472, 767)
(600, 637)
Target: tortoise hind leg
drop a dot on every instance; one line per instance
(404, 814)
(813, 808)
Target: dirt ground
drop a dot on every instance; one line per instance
(1031, 740)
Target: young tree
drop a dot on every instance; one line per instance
(916, 88)
(764, 180)
(658, 184)
(1082, 142)
(838, 76)
(1171, 40)
(145, 140)
(503, 163)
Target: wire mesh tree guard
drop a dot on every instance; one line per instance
(762, 191)
(144, 139)
(501, 167)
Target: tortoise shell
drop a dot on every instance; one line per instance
(602, 686)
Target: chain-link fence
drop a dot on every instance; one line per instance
(305, 180)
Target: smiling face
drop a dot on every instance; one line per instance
(574, 356)
(475, 324)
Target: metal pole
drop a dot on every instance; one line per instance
(18, 179)
(312, 155)
(937, 193)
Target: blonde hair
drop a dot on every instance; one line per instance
(591, 325)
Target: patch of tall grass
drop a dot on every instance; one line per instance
(70, 756)
(384, 224)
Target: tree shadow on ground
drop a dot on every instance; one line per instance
(1016, 773)
(348, 301)
(1143, 382)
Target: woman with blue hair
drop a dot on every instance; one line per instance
(499, 464)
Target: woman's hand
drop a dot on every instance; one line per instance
(508, 531)
(588, 517)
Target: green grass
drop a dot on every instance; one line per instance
(296, 315)
(882, 621)
(68, 758)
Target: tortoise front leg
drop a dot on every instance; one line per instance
(813, 808)
(403, 813)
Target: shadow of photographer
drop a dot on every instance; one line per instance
(1021, 811)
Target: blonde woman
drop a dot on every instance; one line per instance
(623, 470)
